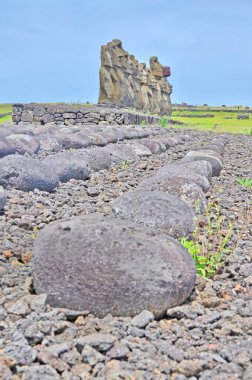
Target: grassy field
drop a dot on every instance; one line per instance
(5, 108)
(223, 120)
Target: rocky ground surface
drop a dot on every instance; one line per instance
(209, 337)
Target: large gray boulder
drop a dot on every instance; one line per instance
(70, 140)
(141, 150)
(97, 139)
(121, 152)
(159, 178)
(3, 198)
(68, 165)
(183, 188)
(156, 209)
(49, 143)
(207, 155)
(97, 158)
(24, 143)
(107, 265)
(202, 168)
(24, 173)
(6, 147)
(154, 146)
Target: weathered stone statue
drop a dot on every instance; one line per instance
(127, 83)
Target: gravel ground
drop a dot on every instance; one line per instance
(209, 337)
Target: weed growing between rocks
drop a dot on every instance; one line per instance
(163, 122)
(209, 244)
(245, 182)
(124, 165)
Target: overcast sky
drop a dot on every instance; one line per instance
(50, 49)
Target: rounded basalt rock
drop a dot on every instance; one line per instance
(27, 174)
(97, 158)
(70, 140)
(3, 198)
(159, 178)
(154, 146)
(216, 147)
(68, 166)
(49, 143)
(169, 142)
(157, 210)
(131, 134)
(24, 143)
(121, 152)
(84, 139)
(97, 139)
(202, 168)
(6, 148)
(110, 137)
(106, 265)
(182, 188)
(141, 150)
(207, 155)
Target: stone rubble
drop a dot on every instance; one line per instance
(208, 337)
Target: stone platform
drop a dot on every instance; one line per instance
(71, 115)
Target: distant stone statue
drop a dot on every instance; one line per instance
(127, 83)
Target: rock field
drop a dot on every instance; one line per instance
(76, 302)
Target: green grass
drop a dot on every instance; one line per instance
(218, 123)
(209, 245)
(5, 108)
(245, 182)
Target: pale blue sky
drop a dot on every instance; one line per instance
(50, 49)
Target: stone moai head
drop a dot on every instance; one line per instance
(158, 70)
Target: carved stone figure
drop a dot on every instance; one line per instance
(127, 83)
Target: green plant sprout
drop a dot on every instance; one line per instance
(208, 247)
(245, 182)
(124, 165)
(163, 122)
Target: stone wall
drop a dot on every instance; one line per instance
(61, 114)
(126, 82)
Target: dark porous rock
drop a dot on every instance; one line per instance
(202, 168)
(169, 141)
(183, 188)
(24, 173)
(141, 150)
(23, 354)
(110, 136)
(38, 372)
(84, 139)
(112, 266)
(97, 139)
(27, 116)
(99, 341)
(121, 152)
(5, 372)
(6, 148)
(154, 146)
(3, 198)
(70, 140)
(157, 210)
(47, 118)
(50, 143)
(207, 155)
(24, 143)
(215, 147)
(160, 178)
(98, 158)
(143, 319)
(68, 165)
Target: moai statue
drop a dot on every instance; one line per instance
(109, 81)
(126, 82)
